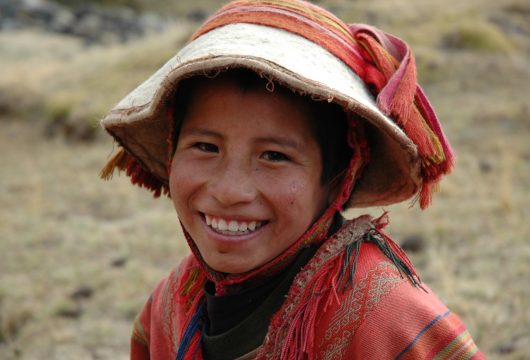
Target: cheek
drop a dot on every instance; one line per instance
(293, 197)
(303, 199)
(297, 191)
(181, 183)
(176, 191)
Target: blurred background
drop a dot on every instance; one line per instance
(79, 256)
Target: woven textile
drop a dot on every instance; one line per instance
(381, 315)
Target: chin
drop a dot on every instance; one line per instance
(232, 267)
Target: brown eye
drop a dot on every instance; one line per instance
(206, 147)
(274, 156)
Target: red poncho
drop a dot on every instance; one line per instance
(382, 314)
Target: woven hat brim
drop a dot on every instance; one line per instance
(139, 122)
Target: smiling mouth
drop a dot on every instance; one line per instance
(232, 227)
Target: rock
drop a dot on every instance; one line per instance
(8, 11)
(119, 262)
(94, 24)
(89, 28)
(82, 292)
(64, 22)
(413, 243)
(72, 311)
(151, 22)
(197, 15)
(485, 166)
(39, 12)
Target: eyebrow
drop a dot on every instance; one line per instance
(201, 131)
(280, 140)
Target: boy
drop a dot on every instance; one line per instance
(272, 120)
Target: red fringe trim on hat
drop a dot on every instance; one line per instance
(123, 161)
(143, 178)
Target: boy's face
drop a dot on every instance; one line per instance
(245, 177)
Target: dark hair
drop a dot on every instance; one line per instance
(328, 120)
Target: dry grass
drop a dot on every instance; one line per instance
(61, 81)
(79, 255)
(65, 231)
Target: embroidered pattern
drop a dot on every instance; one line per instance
(384, 278)
(328, 252)
(359, 301)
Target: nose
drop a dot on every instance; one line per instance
(232, 184)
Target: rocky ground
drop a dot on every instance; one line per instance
(92, 23)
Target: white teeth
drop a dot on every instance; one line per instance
(231, 227)
(222, 225)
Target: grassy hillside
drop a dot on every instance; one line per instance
(79, 256)
(74, 84)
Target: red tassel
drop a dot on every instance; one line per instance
(320, 292)
(144, 179)
(315, 289)
(428, 114)
(400, 97)
(426, 193)
(396, 95)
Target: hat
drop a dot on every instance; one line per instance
(307, 49)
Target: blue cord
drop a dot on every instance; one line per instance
(193, 326)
